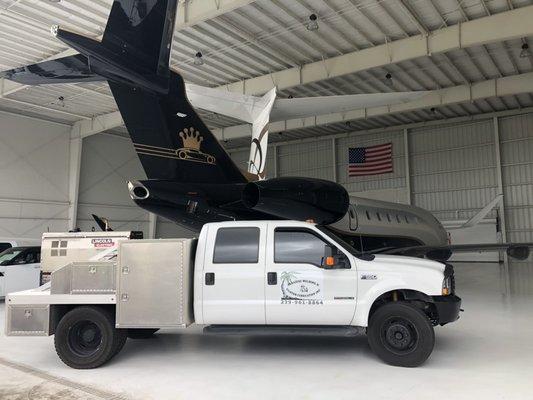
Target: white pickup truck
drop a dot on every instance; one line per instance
(274, 277)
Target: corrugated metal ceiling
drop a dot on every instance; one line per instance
(270, 35)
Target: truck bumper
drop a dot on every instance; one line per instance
(448, 308)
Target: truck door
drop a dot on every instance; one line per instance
(298, 290)
(234, 275)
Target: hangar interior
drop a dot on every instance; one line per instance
(65, 154)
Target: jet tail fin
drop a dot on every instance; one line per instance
(170, 138)
(142, 31)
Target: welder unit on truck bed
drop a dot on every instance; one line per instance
(249, 277)
(60, 249)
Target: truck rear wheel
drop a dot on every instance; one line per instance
(401, 334)
(141, 333)
(86, 337)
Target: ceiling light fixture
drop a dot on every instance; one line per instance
(312, 25)
(388, 80)
(525, 53)
(199, 59)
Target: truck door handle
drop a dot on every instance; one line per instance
(272, 278)
(210, 279)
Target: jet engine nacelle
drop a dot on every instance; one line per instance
(303, 199)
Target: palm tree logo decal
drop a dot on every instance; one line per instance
(287, 278)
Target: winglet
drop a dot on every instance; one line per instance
(261, 119)
(476, 219)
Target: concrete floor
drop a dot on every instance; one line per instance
(488, 353)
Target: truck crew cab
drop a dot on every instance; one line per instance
(241, 278)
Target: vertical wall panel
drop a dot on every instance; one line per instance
(34, 164)
(453, 169)
(308, 159)
(516, 136)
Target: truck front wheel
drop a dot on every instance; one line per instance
(401, 334)
(86, 337)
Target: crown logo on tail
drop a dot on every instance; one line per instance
(191, 138)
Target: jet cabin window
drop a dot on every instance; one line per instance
(298, 247)
(4, 246)
(237, 246)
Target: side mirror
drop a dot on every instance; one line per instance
(334, 259)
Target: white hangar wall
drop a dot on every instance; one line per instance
(108, 163)
(34, 165)
(453, 169)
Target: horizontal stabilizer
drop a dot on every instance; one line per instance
(62, 70)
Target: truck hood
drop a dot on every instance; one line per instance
(395, 262)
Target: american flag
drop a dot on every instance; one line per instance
(373, 160)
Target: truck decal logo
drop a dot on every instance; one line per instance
(102, 243)
(297, 290)
(369, 277)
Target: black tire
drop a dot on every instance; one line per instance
(121, 338)
(86, 337)
(401, 334)
(141, 333)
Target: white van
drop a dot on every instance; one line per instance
(20, 269)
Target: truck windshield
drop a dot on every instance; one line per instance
(345, 245)
(8, 255)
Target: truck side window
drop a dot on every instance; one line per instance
(298, 247)
(237, 246)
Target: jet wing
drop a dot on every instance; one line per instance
(246, 107)
(519, 251)
(70, 69)
(311, 106)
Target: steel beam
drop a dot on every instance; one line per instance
(76, 146)
(495, 28)
(97, 124)
(152, 226)
(191, 13)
